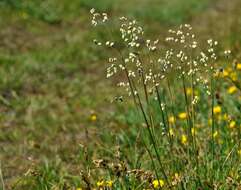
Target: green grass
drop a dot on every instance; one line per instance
(53, 79)
(169, 12)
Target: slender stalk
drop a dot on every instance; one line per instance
(151, 136)
(144, 86)
(166, 126)
(193, 118)
(1, 179)
(139, 104)
(173, 114)
(213, 127)
(152, 161)
(189, 122)
(172, 101)
(146, 97)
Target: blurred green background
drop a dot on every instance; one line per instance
(52, 78)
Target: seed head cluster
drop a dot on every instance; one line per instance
(145, 62)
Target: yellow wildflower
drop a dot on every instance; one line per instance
(232, 124)
(210, 121)
(225, 73)
(193, 130)
(182, 115)
(100, 183)
(171, 120)
(79, 188)
(184, 139)
(217, 109)
(109, 183)
(171, 132)
(93, 117)
(215, 134)
(103, 183)
(225, 117)
(158, 183)
(234, 76)
(189, 91)
(232, 89)
(239, 152)
(238, 66)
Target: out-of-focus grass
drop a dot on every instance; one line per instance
(167, 12)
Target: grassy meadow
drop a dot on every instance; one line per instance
(65, 126)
